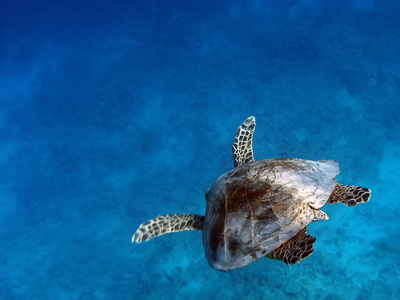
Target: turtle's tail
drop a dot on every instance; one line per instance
(167, 223)
(351, 195)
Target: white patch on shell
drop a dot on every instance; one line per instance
(314, 183)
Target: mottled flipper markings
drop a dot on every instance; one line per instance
(294, 250)
(165, 224)
(351, 195)
(242, 148)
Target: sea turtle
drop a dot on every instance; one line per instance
(260, 208)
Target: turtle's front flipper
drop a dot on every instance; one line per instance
(165, 224)
(351, 195)
(294, 250)
(242, 147)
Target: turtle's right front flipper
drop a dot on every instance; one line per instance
(167, 223)
(296, 249)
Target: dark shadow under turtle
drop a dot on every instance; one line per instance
(260, 208)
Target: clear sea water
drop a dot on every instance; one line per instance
(113, 112)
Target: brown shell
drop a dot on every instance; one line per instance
(256, 207)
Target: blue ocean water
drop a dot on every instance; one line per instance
(113, 112)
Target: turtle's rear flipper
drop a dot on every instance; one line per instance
(294, 250)
(351, 195)
(242, 147)
(165, 224)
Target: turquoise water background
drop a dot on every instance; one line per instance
(112, 113)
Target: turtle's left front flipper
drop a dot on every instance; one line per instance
(294, 250)
(351, 195)
(167, 223)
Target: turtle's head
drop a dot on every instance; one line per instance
(319, 215)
